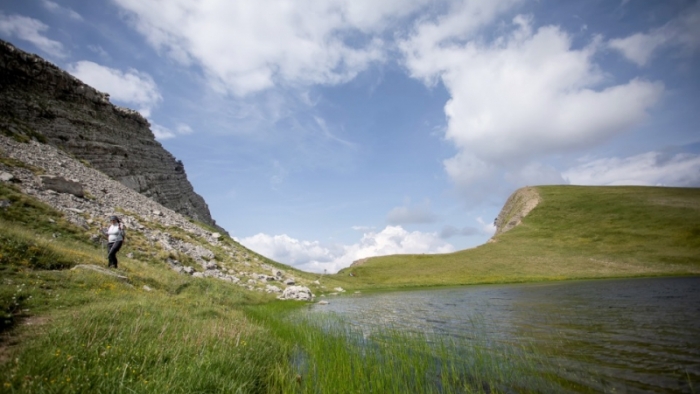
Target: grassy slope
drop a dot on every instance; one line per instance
(80, 331)
(64, 330)
(575, 232)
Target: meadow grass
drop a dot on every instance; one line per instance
(69, 330)
(575, 232)
(330, 355)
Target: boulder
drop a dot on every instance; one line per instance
(62, 185)
(289, 282)
(297, 293)
(272, 289)
(7, 177)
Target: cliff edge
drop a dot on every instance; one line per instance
(518, 205)
(39, 100)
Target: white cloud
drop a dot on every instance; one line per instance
(247, 46)
(161, 132)
(58, 9)
(486, 227)
(412, 214)
(314, 257)
(362, 228)
(164, 133)
(683, 32)
(31, 30)
(639, 47)
(535, 173)
(521, 96)
(131, 87)
(648, 169)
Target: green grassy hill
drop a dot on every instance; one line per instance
(146, 328)
(141, 328)
(574, 232)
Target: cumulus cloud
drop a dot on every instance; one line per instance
(247, 46)
(30, 30)
(314, 257)
(683, 32)
(411, 214)
(164, 133)
(647, 169)
(522, 96)
(131, 87)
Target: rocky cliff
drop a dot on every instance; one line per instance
(518, 205)
(38, 100)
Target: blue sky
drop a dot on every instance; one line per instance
(322, 132)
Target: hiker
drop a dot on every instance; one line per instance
(115, 238)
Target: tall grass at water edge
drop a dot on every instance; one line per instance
(330, 356)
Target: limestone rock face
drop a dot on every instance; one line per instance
(39, 100)
(62, 185)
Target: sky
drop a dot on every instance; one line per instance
(323, 132)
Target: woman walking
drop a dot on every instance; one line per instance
(115, 238)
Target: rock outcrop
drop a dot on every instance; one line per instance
(518, 205)
(40, 101)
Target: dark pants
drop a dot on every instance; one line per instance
(113, 248)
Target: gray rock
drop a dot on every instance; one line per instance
(5, 203)
(297, 293)
(272, 289)
(197, 275)
(61, 185)
(289, 282)
(188, 270)
(6, 177)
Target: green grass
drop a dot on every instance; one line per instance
(329, 355)
(575, 232)
(65, 330)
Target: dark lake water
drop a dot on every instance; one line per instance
(630, 335)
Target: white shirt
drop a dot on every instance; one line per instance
(114, 233)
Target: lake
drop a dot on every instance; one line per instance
(622, 335)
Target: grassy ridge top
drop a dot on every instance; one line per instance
(575, 232)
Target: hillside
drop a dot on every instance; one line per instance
(172, 318)
(38, 100)
(571, 232)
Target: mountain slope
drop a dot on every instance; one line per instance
(39, 100)
(573, 232)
